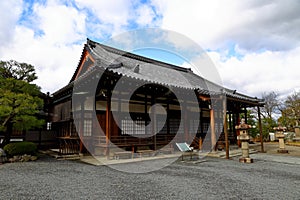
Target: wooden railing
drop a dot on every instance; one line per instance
(69, 145)
(127, 140)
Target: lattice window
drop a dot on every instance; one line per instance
(140, 128)
(174, 126)
(127, 126)
(162, 125)
(205, 127)
(194, 126)
(136, 127)
(87, 127)
(216, 127)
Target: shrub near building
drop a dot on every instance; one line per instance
(21, 151)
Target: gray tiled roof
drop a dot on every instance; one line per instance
(152, 71)
(124, 64)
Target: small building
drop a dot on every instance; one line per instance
(117, 99)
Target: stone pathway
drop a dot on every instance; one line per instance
(272, 147)
(293, 157)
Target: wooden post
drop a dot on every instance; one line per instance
(237, 115)
(146, 112)
(245, 113)
(81, 129)
(107, 121)
(230, 122)
(154, 121)
(234, 131)
(225, 127)
(168, 117)
(212, 128)
(200, 143)
(201, 130)
(186, 126)
(154, 127)
(260, 130)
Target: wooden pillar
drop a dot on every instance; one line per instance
(237, 121)
(168, 117)
(154, 126)
(201, 131)
(186, 125)
(245, 113)
(146, 112)
(225, 127)
(108, 122)
(212, 128)
(230, 122)
(260, 130)
(119, 117)
(81, 126)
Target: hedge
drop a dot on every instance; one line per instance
(20, 148)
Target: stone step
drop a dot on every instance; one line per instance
(236, 153)
(55, 154)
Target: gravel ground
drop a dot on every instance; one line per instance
(272, 147)
(213, 178)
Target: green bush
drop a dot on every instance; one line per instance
(20, 148)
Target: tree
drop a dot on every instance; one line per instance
(291, 110)
(19, 98)
(18, 71)
(272, 104)
(271, 108)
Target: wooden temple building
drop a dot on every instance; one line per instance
(109, 105)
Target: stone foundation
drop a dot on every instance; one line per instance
(283, 151)
(246, 160)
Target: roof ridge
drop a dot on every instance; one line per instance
(137, 57)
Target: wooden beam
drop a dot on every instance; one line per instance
(168, 117)
(246, 102)
(237, 122)
(201, 130)
(81, 129)
(225, 127)
(146, 111)
(260, 130)
(212, 128)
(245, 113)
(186, 125)
(154, 121)
(108, 122)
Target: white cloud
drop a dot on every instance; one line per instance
(160, 6)
(262, 72)
(55, 54)
(197, 20)
(59, 23)
(253, 25)
(255, 45)
(112, 15)
(145, 15)
(55, 64)
(253, 74)
(10, 12)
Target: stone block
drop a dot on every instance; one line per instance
(297, 131)
(33, 158)
(283, 151)
(246, 160)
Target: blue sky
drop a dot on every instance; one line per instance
(254, 45)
